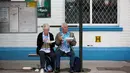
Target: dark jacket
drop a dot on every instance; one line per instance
(40, 42)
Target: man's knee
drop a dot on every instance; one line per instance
(57, 52)
(71, 54)
(52, 54)
(41, 53)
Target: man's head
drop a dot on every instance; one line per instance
(46, 28)
(64, 27)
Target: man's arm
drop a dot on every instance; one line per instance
(73, 42)
(39, 43)
(58, 41)
(52, 39)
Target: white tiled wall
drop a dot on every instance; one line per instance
(109, 39)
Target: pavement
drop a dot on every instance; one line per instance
(88, 66)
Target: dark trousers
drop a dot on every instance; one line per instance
(43, 55)
(60, 53)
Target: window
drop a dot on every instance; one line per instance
(94, 11)
(104, 11)
(72, 11)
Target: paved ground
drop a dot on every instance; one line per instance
(89, 66)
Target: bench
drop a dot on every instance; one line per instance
(32, 68)
(38, 66)
(33, 55)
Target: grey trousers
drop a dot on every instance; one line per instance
(43, 55)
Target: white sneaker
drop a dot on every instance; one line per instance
(42, 70)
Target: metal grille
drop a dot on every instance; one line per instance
(72, 11)
(104, 11)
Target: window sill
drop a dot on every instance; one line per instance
(97, 28)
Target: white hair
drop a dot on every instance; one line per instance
(64, 24)
(46, 26)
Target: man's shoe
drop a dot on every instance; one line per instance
(57, 70)
(71, 70)
(42, 70)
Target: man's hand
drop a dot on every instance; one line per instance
(68, 41)
(60, 38)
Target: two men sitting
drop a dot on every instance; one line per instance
(63, 41)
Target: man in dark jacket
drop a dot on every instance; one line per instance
(45, 45)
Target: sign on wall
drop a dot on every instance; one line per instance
(98, 39)
(43, 8)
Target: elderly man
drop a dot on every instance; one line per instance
(65, 40)
(44, 48)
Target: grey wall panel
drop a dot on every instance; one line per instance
(27, 19)
(4, 4)
(17, 17)
(18, 4)
(4, 15)
(4, 20)
(13, 4)
(13, 19)
(4, 27)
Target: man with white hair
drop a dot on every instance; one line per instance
(44, 48)
(65, 40)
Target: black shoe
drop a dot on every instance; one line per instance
(57, 70)
(71, 70)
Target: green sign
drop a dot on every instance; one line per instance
(43, 8)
